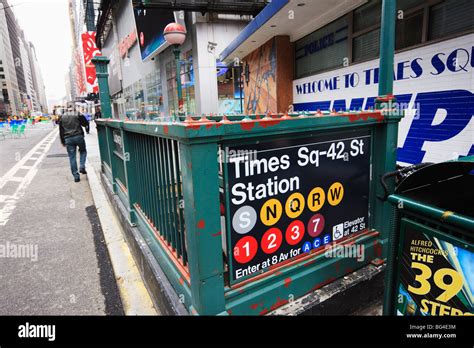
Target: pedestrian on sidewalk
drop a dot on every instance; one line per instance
(72, 137)
(98, 113)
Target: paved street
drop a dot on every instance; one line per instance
(54, 258)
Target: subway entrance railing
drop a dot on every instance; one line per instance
(247, 213)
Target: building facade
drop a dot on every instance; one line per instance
(300, 61)
(21, 81)
(143, 85)
(80, 79)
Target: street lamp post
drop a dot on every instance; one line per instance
(175, 34)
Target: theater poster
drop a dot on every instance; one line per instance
(435, 273)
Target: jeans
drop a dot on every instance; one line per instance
(71, 144)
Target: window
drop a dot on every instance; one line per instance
(422, 21)
(367, 15)
(2, 76)
(367, 46)
(154, 95)
(409, 30)
(451, 17)
(230, 94)
(323, 49)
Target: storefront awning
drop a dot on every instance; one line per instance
(294, 18)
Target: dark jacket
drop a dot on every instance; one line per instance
(71, 124)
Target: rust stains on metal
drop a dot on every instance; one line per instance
(287, 282)
(166, 129)
(216, 234)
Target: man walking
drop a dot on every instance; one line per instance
(72, 136)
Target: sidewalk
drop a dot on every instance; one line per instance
(57, 261)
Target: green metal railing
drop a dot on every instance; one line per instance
(168, 177)
(174, 185)
(160, 198)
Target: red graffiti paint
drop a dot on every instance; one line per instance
(320, 285)
(278, 303)
(309, 263)
(193, 126)
(287, 282)
(201, 224)
(166, 129)
(269, 123)
(247, 126)
(337, 265)
(365, 116)
(377, 248)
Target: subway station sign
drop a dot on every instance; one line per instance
(435, 274)
(289, 196)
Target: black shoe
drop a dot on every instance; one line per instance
(83, 171)
(77, 179)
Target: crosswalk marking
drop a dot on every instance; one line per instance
(36, 154)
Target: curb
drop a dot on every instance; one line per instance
(135, 297)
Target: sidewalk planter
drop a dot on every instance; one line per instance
(433, 242)
(243, 213)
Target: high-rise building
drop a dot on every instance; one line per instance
(14, 31)
(21, 82)
(30, 98)
(37, 79)
(10, 94)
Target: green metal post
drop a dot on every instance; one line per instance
(101, 63)
(386, 213)
(130, 174)
(176, 52)
(387, 47)
(203, 227)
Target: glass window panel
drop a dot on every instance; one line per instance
(409, 31)
(367, 15)
(451, 17)
(407, 4)
(324, 49)
(367, 46)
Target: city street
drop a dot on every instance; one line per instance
(56, 262)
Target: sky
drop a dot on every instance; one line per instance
(46, 25)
